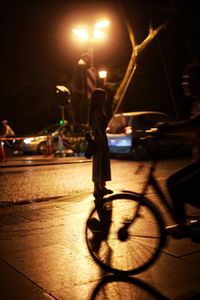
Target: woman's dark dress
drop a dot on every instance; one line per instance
(101, 162)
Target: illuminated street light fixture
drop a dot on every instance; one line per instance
(62, 88)
(102, 24)
(82, 62)
(103, 74)
(103, 77)
(97, 35)
(81, 33)
(91, 36)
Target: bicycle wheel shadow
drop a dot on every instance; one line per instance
(125, 287)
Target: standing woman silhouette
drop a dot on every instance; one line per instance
(98, 122)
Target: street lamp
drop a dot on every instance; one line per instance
(98, 34)
(103, 77)
(103, 74)
(90, 36)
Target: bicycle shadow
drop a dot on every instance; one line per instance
(125, 287)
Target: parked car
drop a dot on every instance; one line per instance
(71, 141)
(129, 134)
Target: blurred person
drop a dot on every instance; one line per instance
(63, 136)
(98, 122)
(7, 132)
(184, 185)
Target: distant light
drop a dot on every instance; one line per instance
(81, 33)
(102, 74)
(62, 88)
(82, 62)
(128, 130)
(28, 140)
(61, 122)
(102, 24)
(98, 35)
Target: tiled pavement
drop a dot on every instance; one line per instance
(43, 255)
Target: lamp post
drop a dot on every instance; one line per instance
(64, 99)
(90, 36)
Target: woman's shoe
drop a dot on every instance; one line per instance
(98, 194)
(106, 191)
(102, 193)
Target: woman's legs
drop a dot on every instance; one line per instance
(102, 185)
(96, 187)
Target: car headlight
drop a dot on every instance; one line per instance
(28, 140)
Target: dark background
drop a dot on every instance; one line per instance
(38, 51)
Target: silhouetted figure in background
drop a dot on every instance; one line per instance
(7, 132)
(184, 185)
(98, 122)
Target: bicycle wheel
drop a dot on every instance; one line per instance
(122, 238)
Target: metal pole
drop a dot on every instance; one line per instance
(62, 112)
(91, 53)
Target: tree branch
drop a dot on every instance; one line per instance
(136, 50)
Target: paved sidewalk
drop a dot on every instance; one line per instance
(43, 255)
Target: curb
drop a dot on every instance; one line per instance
(7, 204)
(39, 162)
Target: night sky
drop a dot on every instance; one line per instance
(38, 51)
